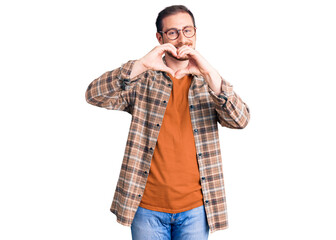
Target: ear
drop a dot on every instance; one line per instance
(159, 37)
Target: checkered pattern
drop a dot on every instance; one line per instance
(146, 97)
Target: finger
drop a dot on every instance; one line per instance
(169, 48)
(184, 47)
(183, 52)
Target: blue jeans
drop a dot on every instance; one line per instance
(188, 225)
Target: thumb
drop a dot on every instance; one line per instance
(168, 70)
(181, 73)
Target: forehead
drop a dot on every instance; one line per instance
(178, 20)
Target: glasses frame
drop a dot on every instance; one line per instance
(178, 32)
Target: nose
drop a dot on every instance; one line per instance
(181, 38)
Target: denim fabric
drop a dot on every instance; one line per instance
(188, 225)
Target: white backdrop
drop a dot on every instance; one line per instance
(60, 157)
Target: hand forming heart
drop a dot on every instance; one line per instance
(197, 65)
(153, 60)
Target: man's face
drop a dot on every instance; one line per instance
(178, 21)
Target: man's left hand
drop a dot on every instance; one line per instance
(198, 66)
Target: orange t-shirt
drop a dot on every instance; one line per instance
(173, 183)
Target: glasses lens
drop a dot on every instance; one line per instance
(189, 31)
(172, 34)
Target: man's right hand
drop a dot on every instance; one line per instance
(153, 60)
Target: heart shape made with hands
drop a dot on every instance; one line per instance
(184, 53)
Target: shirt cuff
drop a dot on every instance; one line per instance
(225, 94)
(126, 70)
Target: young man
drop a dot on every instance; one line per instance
(171, 181)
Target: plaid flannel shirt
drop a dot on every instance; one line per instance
(145, 97)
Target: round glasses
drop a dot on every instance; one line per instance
(174, 33)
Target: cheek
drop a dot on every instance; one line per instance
(194, 43)
(166, 40)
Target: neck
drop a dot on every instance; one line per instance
(175, 64)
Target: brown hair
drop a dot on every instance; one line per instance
(168, 11)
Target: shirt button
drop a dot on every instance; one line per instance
(139, 195)
(151, 149)
(200, 154)
(164, 101)
(145, 172)
(206, 201)
(169, 85)
(158, 125)
(203, 178)
(191, 106)
(195, 130)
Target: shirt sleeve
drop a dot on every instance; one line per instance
(114, 89)
(232, 112)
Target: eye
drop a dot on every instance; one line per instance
(171, 32)
(188, 29)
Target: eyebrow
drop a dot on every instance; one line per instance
(178, 28)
